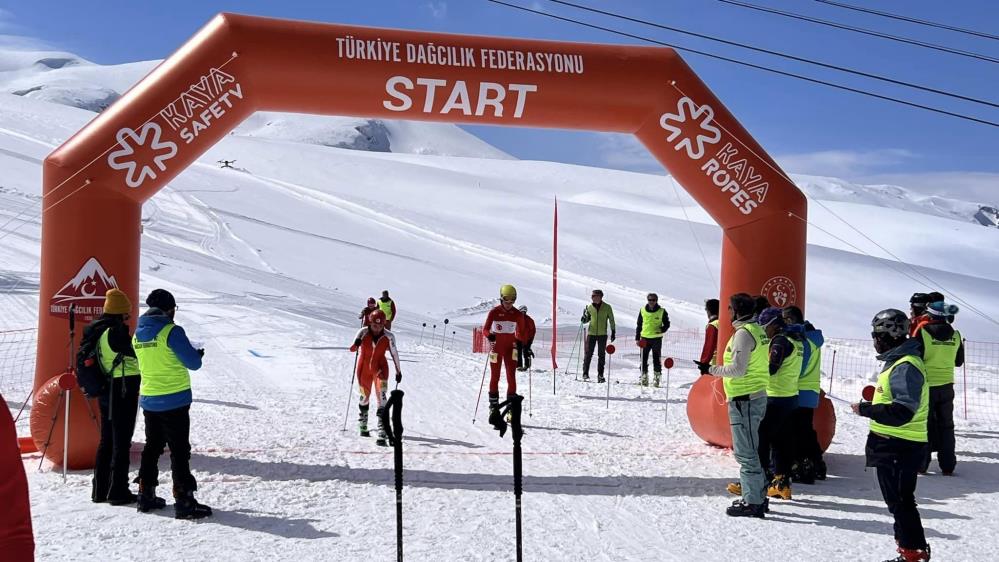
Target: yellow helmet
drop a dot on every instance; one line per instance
(508, 292)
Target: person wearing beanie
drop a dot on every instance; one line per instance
(387, 306)
(745, 377)
(653, 322)
(785, 358)
(897, 438)
(943, 350)
(919, 304)
(165, 355)
(367, 310)
(118, 402)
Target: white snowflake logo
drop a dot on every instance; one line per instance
(681, 124)
(124, 158)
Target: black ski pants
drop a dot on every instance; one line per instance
(897, 461)
(600, 343)
(805, 442)
(776, 436)
(119, 406)
(655, 347)
(173, 428)
(940, 428)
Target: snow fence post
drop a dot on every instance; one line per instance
(832, 371)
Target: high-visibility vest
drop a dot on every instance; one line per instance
(939, 357)
(127, 367)
(784, 382)
(758, 372)
(915, 430)
(652, 322)
(386, 307)
(812, 370)
(162, 371)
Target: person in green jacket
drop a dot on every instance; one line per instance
(598, 315)
(653, 322)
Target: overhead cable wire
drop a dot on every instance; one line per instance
(901, 17)
(749, 64)
(862, 30)
(784, 55)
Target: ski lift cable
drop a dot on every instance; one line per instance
(862, 30)
(784, 55)
(693, 233)
(901, 17)
(749, 64)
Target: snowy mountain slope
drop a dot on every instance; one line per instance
(271, 263)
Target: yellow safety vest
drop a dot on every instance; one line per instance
(758, 372)
(652, 322)
(386, 307)
(810, 379)
(939, 357)
(915, 430)
(162, 371)
(127, 367)
(784, 382)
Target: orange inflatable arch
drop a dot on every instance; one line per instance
(96, 182)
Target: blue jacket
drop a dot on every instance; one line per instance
(806, 398)
(149, 327)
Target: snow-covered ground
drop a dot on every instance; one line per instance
(272, 260)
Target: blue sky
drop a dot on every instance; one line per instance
(810, 129)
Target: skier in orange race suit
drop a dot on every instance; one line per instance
(504, 328)
(372, 341)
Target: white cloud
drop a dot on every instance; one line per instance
(623, 151)
(437, 9)
(844, 163)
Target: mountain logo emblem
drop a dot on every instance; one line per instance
(126, 158)
(693, 125)
(91, 283)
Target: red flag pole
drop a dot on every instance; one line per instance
(555, 286)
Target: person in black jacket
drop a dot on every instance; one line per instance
(119, 403)
(896, 443)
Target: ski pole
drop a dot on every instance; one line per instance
(530, 392)
(518, 469)
(350, 391)
(573, 351)
(391, 417)
(483, 383)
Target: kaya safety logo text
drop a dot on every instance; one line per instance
(194, 111)
(692, 129)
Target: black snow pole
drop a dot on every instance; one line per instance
(391, 416)
(512, 407)
(518, 468)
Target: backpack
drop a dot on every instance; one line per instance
(90, 376)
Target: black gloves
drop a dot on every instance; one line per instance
(703, 367)
(528, 352)
(613, 335)
(585, 318)
(398, 377)
(201, 352)
(491, 337)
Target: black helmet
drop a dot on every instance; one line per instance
(891, 322)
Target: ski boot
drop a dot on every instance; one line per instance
(912, 555)
(780, 487)
(803, 472)
(740, 508)
(382, 440)
(644, 379)
(362, 421)
(600, 378)
(186, 507)
(586, 377)
(495, 418)
(734, 488)
(123, 497)
(147, 500)
(820, 469)
(655, 379)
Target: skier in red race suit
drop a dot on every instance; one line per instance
(526, 354)
(17, 543)
(372, 342)
(504, 328)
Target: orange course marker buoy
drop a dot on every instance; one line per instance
(95, 183)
